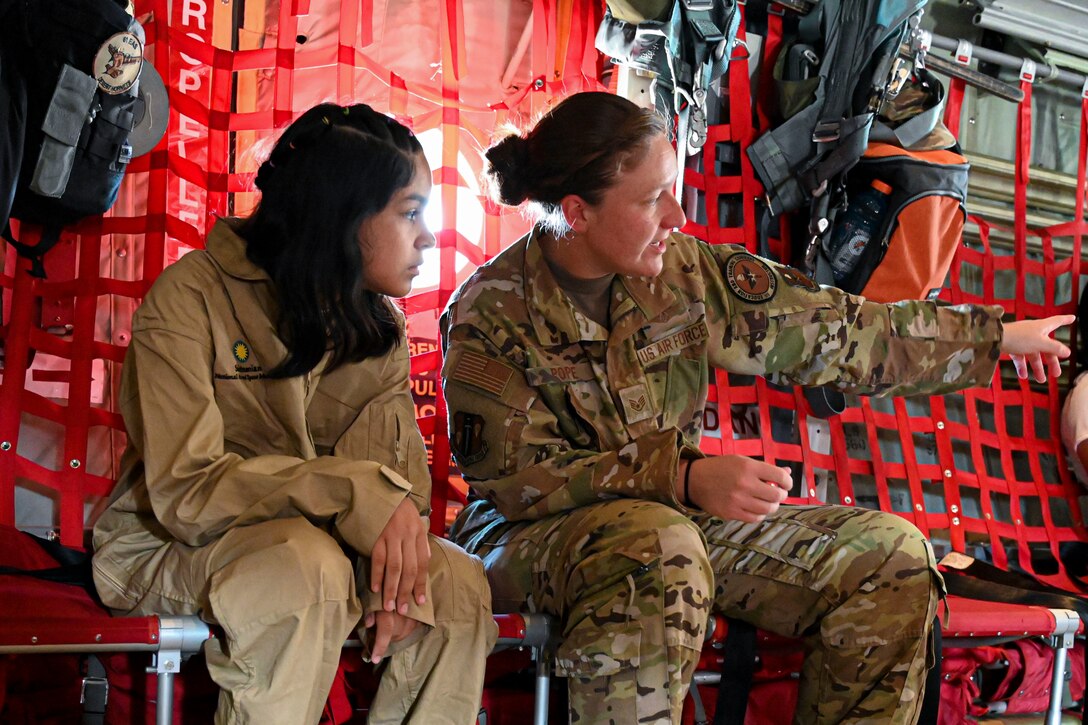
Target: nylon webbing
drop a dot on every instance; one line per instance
(979, 470)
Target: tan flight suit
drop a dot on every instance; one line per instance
(572, 434)
(241, 494)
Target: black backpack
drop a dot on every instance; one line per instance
(838, 61)
(69, 99)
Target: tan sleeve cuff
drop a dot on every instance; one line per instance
(379, 506)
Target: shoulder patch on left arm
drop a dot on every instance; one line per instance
(749, 278)
(483, 372)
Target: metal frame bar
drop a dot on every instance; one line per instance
(177, 638)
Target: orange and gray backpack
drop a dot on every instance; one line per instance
(911, 152)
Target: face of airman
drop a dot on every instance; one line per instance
(626, 232)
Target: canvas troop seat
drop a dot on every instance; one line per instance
(48, 618)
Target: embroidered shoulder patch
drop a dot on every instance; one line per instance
(467, 438)
(749, 278)
(795, 278)
(483, 372)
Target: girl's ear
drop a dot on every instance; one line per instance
(575, 211)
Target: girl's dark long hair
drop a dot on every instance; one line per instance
(332, 169)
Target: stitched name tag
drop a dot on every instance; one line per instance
(559, 373)
(673, 343)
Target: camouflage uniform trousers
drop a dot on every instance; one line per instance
(632, 583)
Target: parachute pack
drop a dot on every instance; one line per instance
(70, 78)
(849, 48)
(685, 44)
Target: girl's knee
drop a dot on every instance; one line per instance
(458, 584)
(290, 566)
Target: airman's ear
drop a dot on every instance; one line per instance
(575, 211)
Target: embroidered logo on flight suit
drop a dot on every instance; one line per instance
(636, 403)
(240, 350)
(468, 441)
(750, 278)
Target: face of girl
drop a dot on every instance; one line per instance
(625, 232)
(393, 240)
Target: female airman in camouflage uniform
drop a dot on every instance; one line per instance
(576, 372)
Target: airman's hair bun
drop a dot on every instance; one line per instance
(264, 175)
(508, 167)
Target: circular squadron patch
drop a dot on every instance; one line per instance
(750, 278)
(118, 62)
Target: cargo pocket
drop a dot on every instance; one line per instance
(617, 604)
(784, 550)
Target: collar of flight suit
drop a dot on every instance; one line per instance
(229, 252)
(554, 319)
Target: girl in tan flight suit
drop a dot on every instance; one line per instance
(275, 481)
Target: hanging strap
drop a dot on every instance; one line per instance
(49, 238)
(95, 692)
(738, 666)
(931, 701)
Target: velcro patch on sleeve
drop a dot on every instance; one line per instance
(482, 372)
(750, 278)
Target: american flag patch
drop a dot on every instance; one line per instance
(482, 372)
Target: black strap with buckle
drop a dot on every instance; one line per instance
(95, 692)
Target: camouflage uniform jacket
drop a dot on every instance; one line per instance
(550, 411)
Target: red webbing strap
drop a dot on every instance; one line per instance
(906, 428)
(948, 473)
(452, 42)
(772, 44)
(744, 132)
(742, 187)
(808, 491)
(1020, 199)
(880, 469)
(16, 353)
(1079, 211)
(953, 104)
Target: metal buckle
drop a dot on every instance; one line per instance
(94, 693)
(826, 132)
(699, 4)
